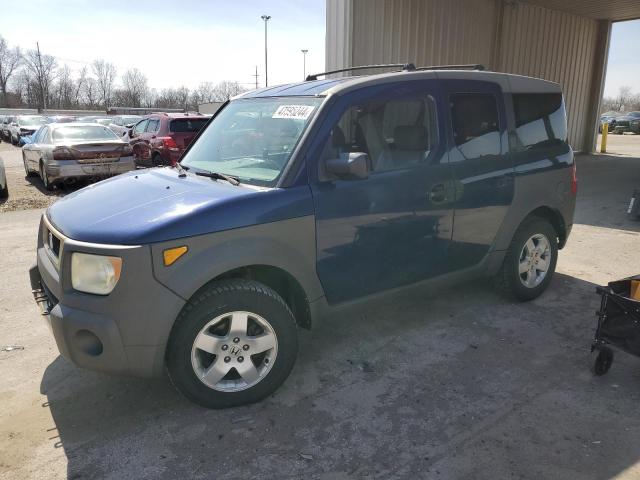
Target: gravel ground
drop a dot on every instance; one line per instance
(24, 193)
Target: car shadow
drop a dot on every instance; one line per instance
(461, 382)
(605, 186)
(59, 190)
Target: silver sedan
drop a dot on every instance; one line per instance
(67, 151)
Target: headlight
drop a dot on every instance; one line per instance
(95, 273)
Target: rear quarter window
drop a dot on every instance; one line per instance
(540, 120)
(185, 125)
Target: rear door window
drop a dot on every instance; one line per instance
(186, 125)
(475, 124)
(540, 120)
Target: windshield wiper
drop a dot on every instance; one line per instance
(219, 176)
(182, 171)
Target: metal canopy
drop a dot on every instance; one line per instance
(615, 10)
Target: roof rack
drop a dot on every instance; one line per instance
(404, 66)
(407, 67)
(470, 66)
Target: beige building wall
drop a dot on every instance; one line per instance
(512, 37)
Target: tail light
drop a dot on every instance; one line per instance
(169, 143)
(127, 151)
(63, 153)
(574, 179)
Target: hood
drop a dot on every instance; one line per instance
(156, 205)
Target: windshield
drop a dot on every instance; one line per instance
(83, 133)
(32, 121)
(130, 120)
(253, 139)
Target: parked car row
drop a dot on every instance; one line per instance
(619, 124)
(66, 148)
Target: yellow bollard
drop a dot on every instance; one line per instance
(603, 141)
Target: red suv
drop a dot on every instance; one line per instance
(160, 138)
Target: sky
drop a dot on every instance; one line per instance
(623, 68)
(175, 43)
(185, 42)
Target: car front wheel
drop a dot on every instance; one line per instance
(530, 260)
(234, 343)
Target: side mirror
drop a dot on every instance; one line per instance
(349, 166)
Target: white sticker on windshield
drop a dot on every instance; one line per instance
(301, 112)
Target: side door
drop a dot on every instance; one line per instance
(150, 136)
(394, 227)
(136, 140)
(481, 165)
(33, 149)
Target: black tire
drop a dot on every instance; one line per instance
(13, 142)
(27, 171)
(45, 178)
(509, 280)
(156, 160)
(603, 361)
(213, 301)
(4, 192)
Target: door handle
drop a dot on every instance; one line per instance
(438, 193)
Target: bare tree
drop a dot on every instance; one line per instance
(623, 98)
(65, 89)
(135, 88)
(90, 92)
(105, 73)
(79, 85)
(205, 92)
(9, 61)
(43, 72)
(223, 91)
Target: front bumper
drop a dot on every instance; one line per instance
(72, 169)
(124, 332)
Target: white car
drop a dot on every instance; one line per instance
(120, 124)
(24, 125)
(4, 189)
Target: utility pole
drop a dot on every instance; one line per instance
(266, 18)
(40, 78)
(304, 63)
(256, 76)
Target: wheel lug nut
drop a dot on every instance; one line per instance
(224, 347)
(227, 359)
(240, 359)
(245, 347)
(236, 340)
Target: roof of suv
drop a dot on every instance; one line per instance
(175, 115)
(509, 83)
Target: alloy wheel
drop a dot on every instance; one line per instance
(535, 259)
(234, 351)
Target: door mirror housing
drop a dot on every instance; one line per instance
(349, 166)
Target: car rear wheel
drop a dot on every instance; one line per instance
(530, 260)
(234, 343)
(45, 178)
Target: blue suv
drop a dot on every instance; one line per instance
(296, 201)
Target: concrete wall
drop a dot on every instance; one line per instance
(513, 37)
